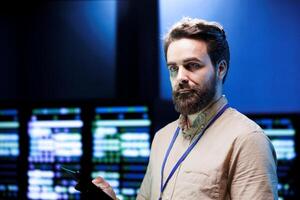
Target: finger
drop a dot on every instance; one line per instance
(104, 186)
(100, 182)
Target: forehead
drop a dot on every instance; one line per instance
(186, 48)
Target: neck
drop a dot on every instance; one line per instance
(192, 124)
(192, 117)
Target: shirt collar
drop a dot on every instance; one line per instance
(193, 124)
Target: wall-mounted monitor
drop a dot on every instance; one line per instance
(121, 147)
(55, 136)
(9, 153)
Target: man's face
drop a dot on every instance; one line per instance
(192, 75)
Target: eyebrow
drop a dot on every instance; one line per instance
(171, 63)
(186, 60)
(191, 59)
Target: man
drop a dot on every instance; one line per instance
(212, 151)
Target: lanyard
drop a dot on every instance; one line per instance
(181, 159)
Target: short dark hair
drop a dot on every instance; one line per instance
(212, 33)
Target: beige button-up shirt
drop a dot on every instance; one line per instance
(234, 159)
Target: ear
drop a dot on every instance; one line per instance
(222, 69)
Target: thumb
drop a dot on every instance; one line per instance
(105, 186)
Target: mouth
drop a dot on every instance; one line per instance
(184, 91)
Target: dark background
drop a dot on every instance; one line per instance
(81, 50)
(112, 49)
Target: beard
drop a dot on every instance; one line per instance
(191, 99)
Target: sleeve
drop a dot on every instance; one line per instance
(144, 192)
(252, 171)
(145, 189)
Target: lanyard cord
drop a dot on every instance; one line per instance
(181, 159)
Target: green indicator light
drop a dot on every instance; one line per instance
(9, 124)
(51, 111)
(131, 109)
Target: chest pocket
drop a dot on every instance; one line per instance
(196, 185)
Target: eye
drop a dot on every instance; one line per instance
(173, 68)
(191, 66)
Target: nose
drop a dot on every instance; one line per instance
(182, 76)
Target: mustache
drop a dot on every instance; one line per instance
(184, 89)
(184, 93)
